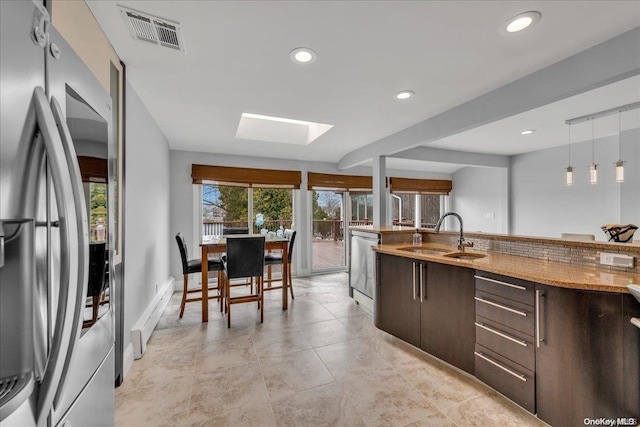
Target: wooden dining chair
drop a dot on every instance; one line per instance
(275, 258)
(244, 259)
(190, 266)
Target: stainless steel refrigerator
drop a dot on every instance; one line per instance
(56, 340)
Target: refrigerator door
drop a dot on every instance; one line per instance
(82, 109)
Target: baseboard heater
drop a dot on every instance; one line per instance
(144, 327)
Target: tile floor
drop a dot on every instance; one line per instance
(321, 363)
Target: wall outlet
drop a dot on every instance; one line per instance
(616, 260)
(489, 215)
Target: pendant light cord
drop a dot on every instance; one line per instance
(569, 144)
(593, 141)
(619, 136)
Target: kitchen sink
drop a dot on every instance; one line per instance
(464, 255)
(424, 251)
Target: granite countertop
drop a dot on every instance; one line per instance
(552, 273)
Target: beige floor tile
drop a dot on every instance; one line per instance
(491, 409)
(225, 389)
(435, 420)
(350, 358)
(310, 313)
(324, 333)
(322, 406)
(277, 343)
(384, 398)
(293, 373)
(393, 349)
(344, 308)
(153, 406)
(360, 326)
(441, 384)
(221, 354)
(260, 415)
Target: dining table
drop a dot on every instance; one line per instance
(217, 245)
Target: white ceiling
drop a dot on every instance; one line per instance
(447, 52)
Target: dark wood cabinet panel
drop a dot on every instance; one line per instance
(630, 358)
(579, 373)
(448, 314)
(397, 306)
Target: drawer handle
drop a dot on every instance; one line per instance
(517, 341)
(507, 370)
(504, 307)
(522, 288)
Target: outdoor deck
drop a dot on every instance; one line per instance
(327, 254)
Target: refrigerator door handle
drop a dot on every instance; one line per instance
(41, 117)
(82, 230)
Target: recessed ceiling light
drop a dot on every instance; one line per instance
(527, 132)
(520, 22)
(404, 94)
(303, 55)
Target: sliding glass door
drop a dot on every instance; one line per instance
(328, 231)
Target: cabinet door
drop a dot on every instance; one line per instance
(579, 362)
(448, 314)
(398, 310)
(631, 357)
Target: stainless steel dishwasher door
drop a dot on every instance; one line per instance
(362, 262)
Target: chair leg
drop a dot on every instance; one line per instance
(227, 306)
(220, 290)
(290, 281)
(269, 276)
(261, 288)
(184, 293)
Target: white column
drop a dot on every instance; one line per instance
(380, 191)
(418, 212)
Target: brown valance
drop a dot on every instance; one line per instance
(245, 177)
(325, 181)
(420, 186)
(93, 169)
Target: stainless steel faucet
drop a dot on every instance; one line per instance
(461, 242)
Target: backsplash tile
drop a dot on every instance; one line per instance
(563, 252)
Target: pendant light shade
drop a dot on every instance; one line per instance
(569, 178)
(593, 167)
(619, 163)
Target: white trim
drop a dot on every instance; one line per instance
(143, 328)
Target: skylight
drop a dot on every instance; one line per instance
(276, 129)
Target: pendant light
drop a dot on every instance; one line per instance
(593, 167)
(619, 163)
(569, 167)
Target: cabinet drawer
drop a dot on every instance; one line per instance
(507, 312)
(508, 378)
(507, 287)
(514, 345)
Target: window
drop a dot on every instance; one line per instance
(404, 209)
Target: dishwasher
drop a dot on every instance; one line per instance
(362, 268)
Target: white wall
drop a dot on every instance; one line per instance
(478, 191)
(182, 198)
(147, 211)
(542, 205)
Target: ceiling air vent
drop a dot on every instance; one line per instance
(152, 29)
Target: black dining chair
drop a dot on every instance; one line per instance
(97, 278)
(227, 231)
(275, 258)
(190, 266)
(244, 259)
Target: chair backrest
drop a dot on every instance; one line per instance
(97, 264)
(245, 256)
(291, 236)
(184, 254)
(226, 231)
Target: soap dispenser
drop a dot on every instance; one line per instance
(417, 238)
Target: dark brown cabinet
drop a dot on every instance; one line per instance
(428, 305)
(397, 306)
(587, 356)
(447, 315)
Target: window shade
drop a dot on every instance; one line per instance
(325, 181)
(93, 169)
(420, 186)
(246, 177)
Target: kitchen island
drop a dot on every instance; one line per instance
(554, 337)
